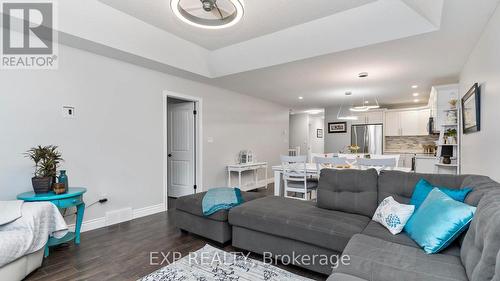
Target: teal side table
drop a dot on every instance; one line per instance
(72, 198)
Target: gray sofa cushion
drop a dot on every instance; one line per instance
(343, 277)
(480, 185)
(351, 191)
(375, 229)
(192, 204)
(298, 220)
(400, 185)
(481, 246)
(374, 259)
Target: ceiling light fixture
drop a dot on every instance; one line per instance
(363, 75)
(416, 94)
(414, 86)
(301, 98)
(416, 100)
(210, 14)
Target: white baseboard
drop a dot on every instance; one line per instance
(150, 210)
(90, 224)
(101, 222)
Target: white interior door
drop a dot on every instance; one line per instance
(181, 149)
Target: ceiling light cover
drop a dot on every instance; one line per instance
(224, 22)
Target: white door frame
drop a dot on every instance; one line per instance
(198, 145)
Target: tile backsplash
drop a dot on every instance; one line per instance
(410, 143)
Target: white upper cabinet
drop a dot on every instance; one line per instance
(370, 117)
(392, 123)
(407, 122)
(375, 117)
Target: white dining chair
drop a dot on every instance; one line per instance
(322, 155)
(378, 164)
(295, 177)
(324, 162)
(380, 156)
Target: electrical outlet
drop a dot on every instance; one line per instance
(68, 111)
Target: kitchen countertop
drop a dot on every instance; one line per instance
(417, 152)
(428, 156)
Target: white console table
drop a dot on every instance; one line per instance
(254, 167)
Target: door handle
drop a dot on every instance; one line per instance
(169, 155)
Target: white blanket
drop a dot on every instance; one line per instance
(10, 211)
(31, 231)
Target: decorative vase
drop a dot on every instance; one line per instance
(63, 178)
(447, 160)
(59, 188)
(41, 185)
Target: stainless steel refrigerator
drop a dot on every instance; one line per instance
(369, 138)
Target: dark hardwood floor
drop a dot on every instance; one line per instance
(122, 251)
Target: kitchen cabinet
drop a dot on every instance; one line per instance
(407, 122)
(425, 165)
(370, 117)
(392, 123)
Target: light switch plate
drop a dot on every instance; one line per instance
(68, 111)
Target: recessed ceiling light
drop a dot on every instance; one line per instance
(301, 98)
(209, 14)
(416, 94)
(416, 100)
(414, 86)
(363, 75)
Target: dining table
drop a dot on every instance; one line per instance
(312, 170)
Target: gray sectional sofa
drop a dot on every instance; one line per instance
(340, 224)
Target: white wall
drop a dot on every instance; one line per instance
(335, 142)
(480, 153)
(114, 145)
(317, 144)
(299, 131)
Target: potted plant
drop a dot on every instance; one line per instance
(46, 160)
(353, 148)
(453, 103)
(451, 136)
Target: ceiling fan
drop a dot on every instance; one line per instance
(209, 6)
(213, 14)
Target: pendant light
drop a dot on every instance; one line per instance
(366, 105)
(344, 113)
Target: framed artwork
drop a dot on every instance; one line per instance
(319, 133)
(337, 127)
(471, 110)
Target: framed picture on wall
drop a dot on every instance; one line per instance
(471, 110)
(319, 133)
(337, 127)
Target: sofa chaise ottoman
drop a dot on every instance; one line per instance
(189, 217)
(340, 223)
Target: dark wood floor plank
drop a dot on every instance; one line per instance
(122, 252)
